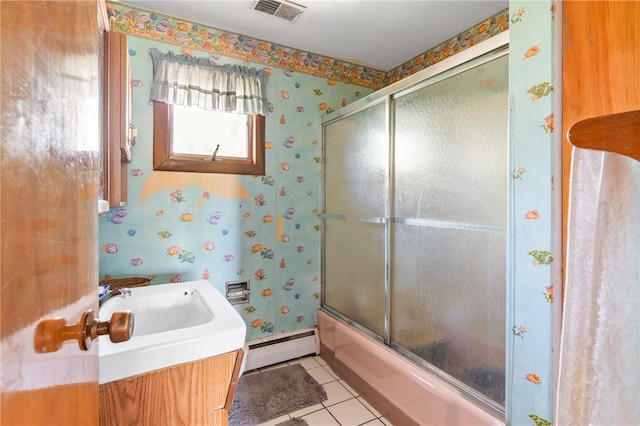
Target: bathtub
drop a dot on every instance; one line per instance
(401, 391)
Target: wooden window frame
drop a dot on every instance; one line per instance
(164, 160)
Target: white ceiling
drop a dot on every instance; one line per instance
(382, 34)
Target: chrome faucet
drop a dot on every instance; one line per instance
(124, 292)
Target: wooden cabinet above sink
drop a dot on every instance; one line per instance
(116, 122)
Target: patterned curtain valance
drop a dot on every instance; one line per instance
(192, 81)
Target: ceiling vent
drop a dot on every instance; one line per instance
(281, 9)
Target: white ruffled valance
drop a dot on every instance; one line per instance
(192, 81)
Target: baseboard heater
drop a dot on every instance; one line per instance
(283, 347)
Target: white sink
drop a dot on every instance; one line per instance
(173, 324)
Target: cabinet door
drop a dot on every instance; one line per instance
(116, 118)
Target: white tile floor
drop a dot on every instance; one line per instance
(343, 407)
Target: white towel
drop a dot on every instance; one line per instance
(599, 380)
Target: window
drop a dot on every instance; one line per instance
(186, 138)
(184, 84)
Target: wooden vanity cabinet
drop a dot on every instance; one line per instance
(196, 393)
(116, 118)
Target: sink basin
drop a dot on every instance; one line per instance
(173, 324)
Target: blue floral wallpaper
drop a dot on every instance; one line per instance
(225, 228)
(181, 226)
(530, 294)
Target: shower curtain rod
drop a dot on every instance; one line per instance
(619, 133)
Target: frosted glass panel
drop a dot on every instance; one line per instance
(447, 215)
(356, 159)
(451, 137)
(448, 299)
(354, 271)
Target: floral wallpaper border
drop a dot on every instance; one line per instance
(188, 35)
(486, 29)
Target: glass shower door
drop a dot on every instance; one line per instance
(415, 221)
(448, 235)
(355, 168)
